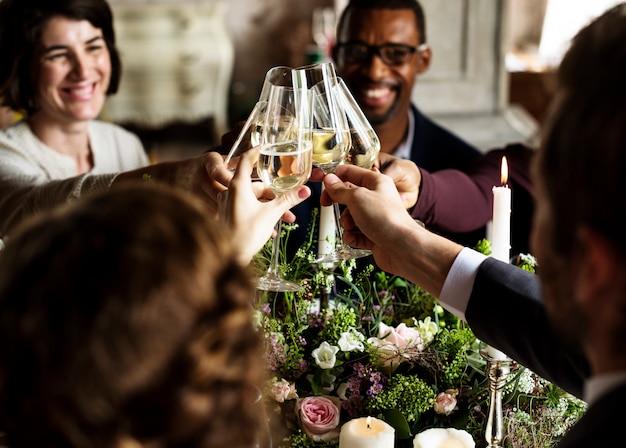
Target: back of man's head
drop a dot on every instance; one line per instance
(585, 139)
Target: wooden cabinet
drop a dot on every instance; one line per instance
(177, 61)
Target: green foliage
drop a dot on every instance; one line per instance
(407, 394)
(398, 384)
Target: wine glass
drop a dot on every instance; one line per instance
(285, 160)
(331, 142)
(363, 151)
(364, 143)
(331, 137)
(248, 137)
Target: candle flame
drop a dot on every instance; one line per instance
(368, 421)
(504, 171)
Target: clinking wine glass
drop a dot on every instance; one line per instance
(364, 143)
(285, 160)
(248, 137)
(331, 143)
(363, 151)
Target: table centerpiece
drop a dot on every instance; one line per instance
(380, 346)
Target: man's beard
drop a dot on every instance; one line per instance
(379, 119)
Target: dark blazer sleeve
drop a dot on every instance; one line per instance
(506, 310)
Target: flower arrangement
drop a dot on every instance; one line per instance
(380, 346)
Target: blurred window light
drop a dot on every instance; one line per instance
(564, 18)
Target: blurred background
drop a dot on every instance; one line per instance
(193, 68)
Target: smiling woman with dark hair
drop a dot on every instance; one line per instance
(59, 63)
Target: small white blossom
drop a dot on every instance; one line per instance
(427, 330)
(351, 341)
(325, 355)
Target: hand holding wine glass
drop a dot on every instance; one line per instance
(285, 159)
(247, 201)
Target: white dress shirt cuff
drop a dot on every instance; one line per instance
(459, 283)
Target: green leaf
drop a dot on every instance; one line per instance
(399, 423)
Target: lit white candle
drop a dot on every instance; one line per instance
(366, 432)
(501, 230)
(501, 223)
(327, 232)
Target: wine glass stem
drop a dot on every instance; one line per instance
(339, 243)
(273, 268)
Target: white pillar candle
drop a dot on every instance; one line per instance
(327, 232)
(501, 231)
(366, 432)
(501, 223)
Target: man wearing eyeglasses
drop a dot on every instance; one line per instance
(381, 49)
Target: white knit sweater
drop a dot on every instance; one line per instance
(34, 177)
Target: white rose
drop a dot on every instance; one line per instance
(341, 391)
(257, 319)
(325, 355)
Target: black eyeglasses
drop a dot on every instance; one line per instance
(390, 54)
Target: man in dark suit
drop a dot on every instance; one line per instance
(380, 52)
(568, 324)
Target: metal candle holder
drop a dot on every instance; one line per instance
(498, 371)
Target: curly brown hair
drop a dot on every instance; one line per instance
(125, 320)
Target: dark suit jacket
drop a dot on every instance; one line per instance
(506, 310)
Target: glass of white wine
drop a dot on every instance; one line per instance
(364, 143)
(331, 142)
(285, 160)
(331, 137)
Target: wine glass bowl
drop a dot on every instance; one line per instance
(285, 161)
(364, 143)
(248, 137)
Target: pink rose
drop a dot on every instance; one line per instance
(401, 336)
(396, 345)
(319, 417)
(445, 402)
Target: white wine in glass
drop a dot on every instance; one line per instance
(329, 148)
(364, 148)
(364, 143)
(285, 165)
